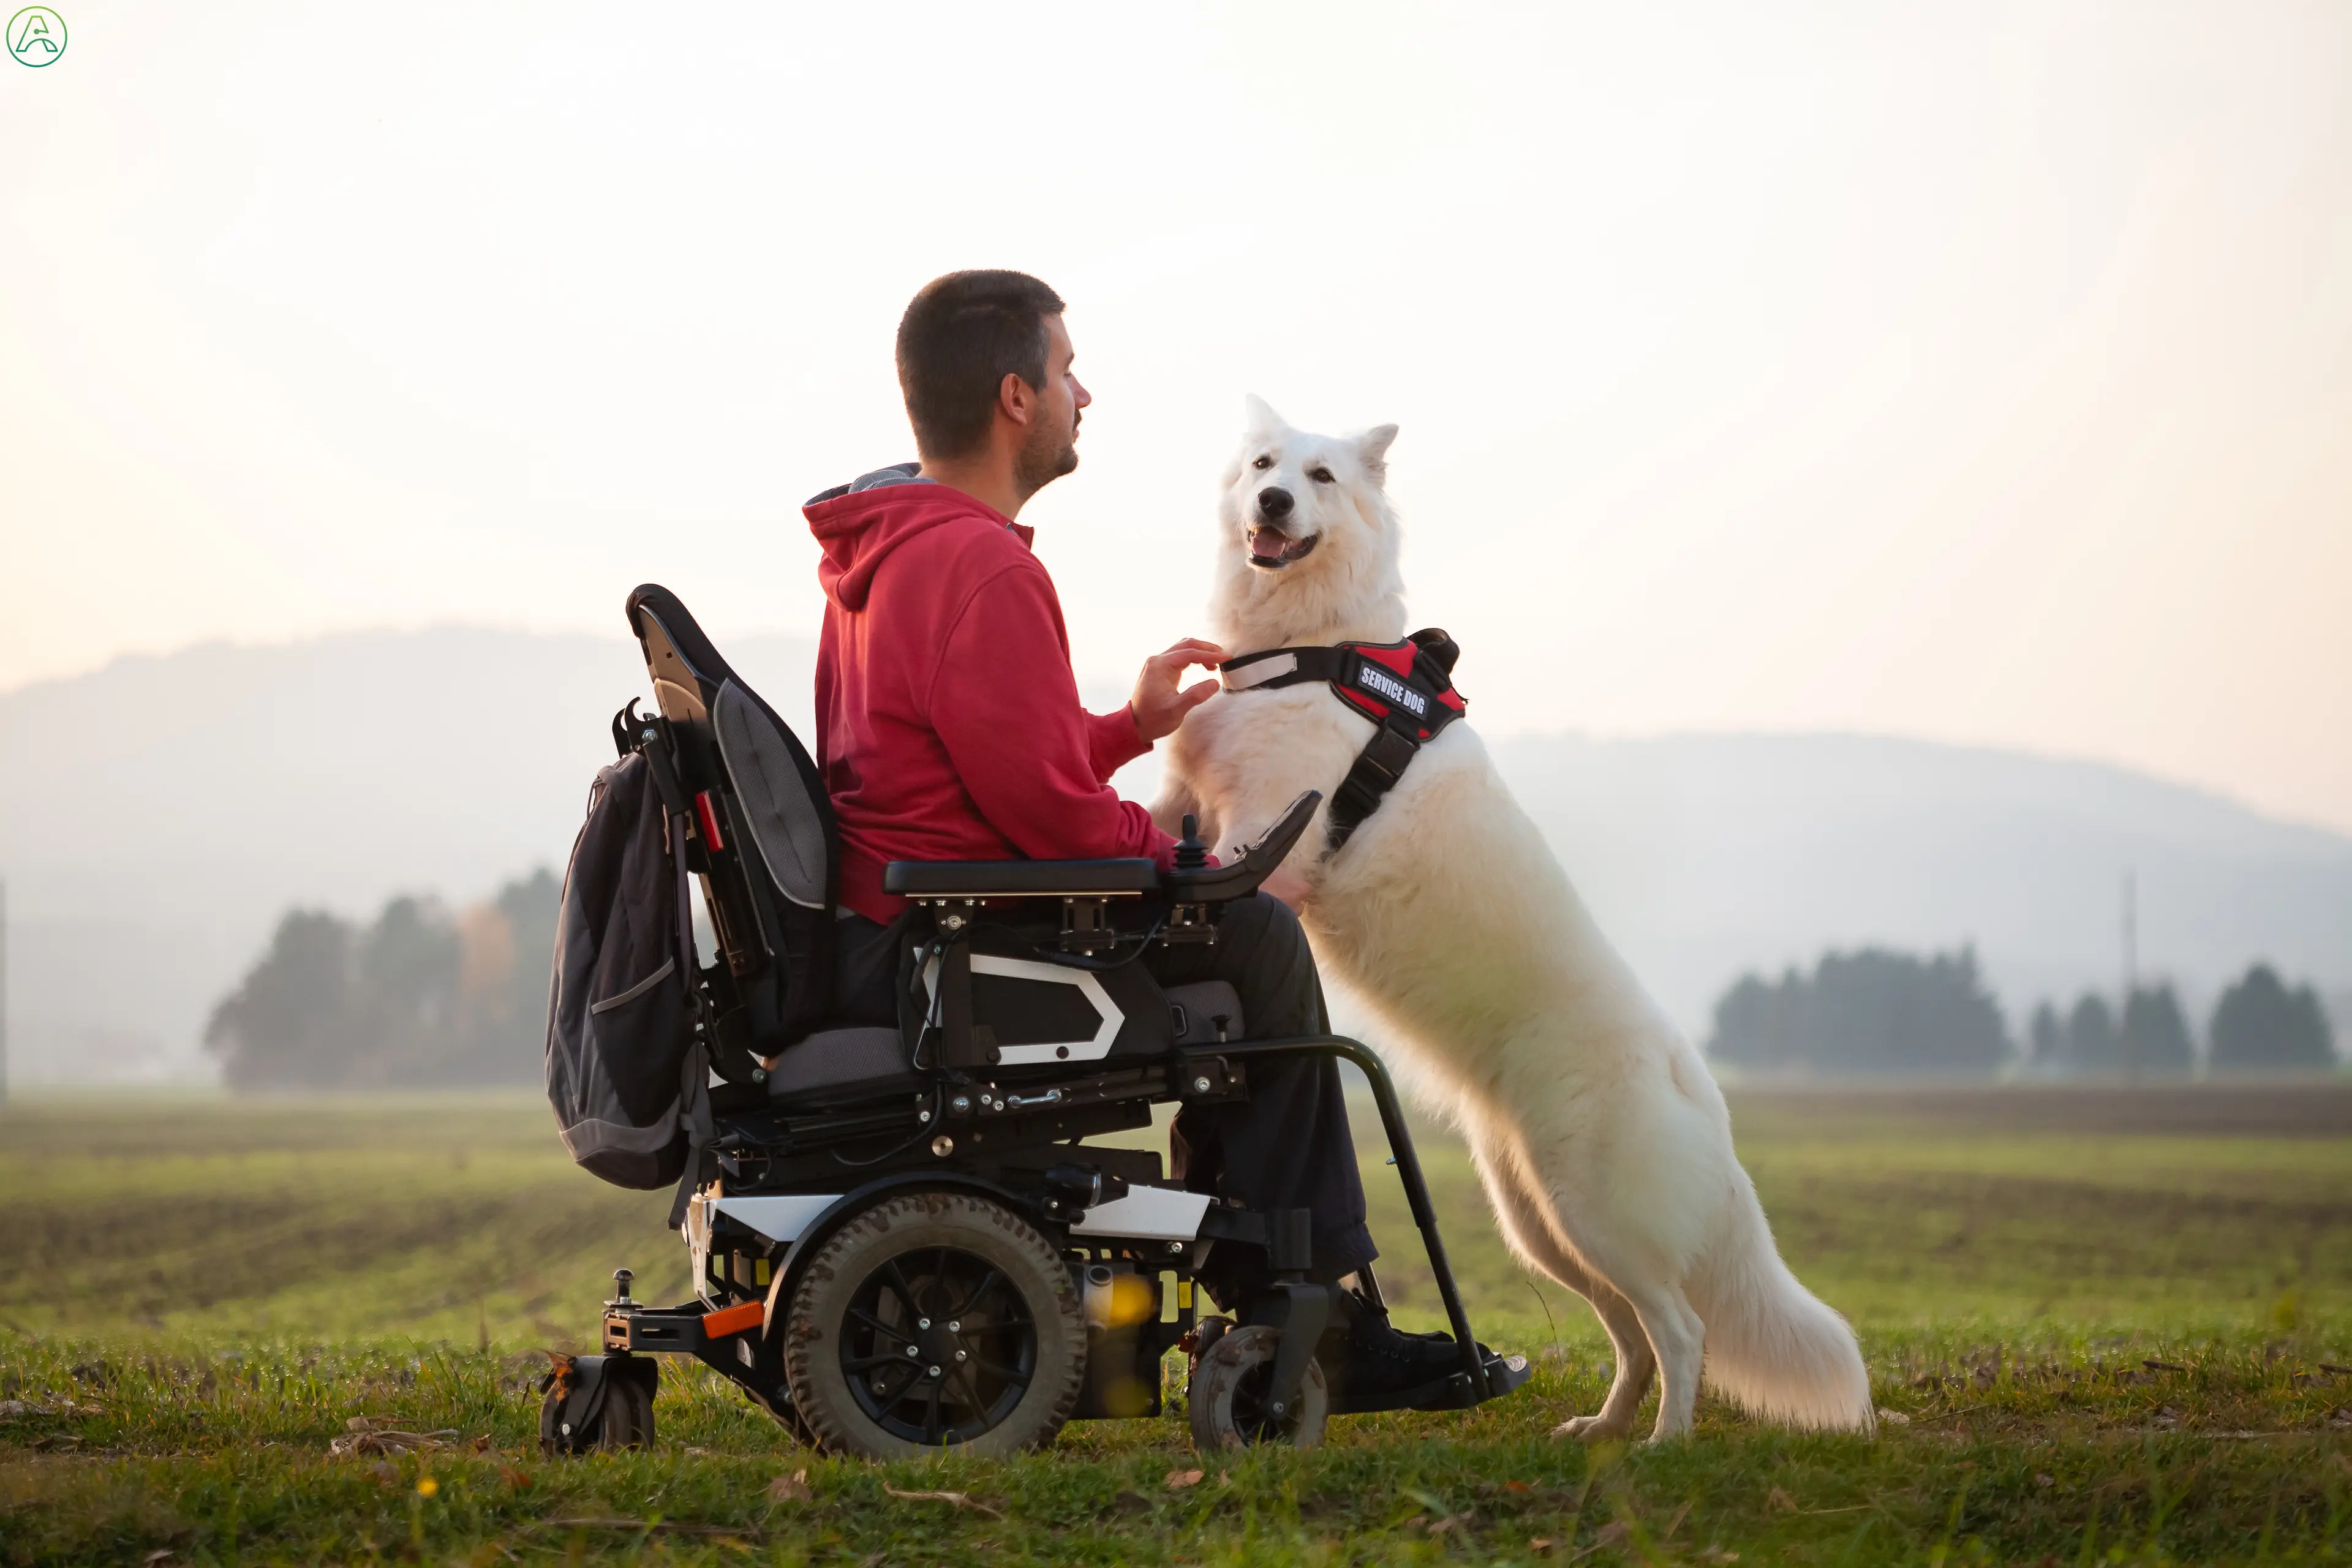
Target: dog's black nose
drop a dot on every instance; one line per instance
(1273, 503)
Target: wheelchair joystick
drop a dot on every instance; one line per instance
(1192, 854)
(621, 1300)
(1190, 923)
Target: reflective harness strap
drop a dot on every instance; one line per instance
(1405, 687)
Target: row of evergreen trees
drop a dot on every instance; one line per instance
(2258, 1026)
(1876, 1013)
(418, 998)
(1864, 1013)
(422, 997)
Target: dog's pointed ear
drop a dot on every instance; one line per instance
(1373, 448)
(1259, 417)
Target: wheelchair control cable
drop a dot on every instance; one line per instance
(897, 1149)
(1142, 939)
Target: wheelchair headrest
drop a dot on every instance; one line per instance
(775, 785)
(686, 669)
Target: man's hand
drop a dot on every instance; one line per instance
(1158, 706)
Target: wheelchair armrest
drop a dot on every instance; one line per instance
(1238, 879)
(1020, 878)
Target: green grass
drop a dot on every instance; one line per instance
(196, 1296)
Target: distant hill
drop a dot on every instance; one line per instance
(158, 816)
(1706, 855)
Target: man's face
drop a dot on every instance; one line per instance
(1050, 449)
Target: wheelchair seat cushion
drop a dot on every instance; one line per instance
(1019, 879)
(843, 1064)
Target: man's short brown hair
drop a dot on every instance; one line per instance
(960, 338)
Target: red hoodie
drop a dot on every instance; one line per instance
(948, 717)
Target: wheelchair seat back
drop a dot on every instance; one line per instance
(762, 836)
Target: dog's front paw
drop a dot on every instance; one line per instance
(1592, 1429)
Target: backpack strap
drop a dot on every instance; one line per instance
(694, 1072)
(1405, 687)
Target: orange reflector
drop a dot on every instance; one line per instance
(734, 1320)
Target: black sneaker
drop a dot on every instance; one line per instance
(1357, 1305)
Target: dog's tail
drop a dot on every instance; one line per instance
(1772, 1345)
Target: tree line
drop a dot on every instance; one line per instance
(419, 997)
(423, 997)
(2258, 1026)
(1876, 1012)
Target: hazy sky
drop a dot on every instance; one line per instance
(1975, 372)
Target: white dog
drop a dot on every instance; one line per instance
(1603, 1140)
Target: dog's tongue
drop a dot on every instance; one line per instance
(1266, 545)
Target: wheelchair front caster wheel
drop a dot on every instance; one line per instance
(1227, 1400)
(625, 1420)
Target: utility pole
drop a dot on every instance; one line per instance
(2131, 975)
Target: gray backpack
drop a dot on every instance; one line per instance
(625, 1070)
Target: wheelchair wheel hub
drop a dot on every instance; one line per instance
(939, 1346)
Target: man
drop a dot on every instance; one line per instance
(949, 729)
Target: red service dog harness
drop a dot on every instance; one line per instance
(1405, 687)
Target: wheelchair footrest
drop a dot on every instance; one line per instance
(1504, 1374)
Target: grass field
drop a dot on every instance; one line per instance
(2109, 1327)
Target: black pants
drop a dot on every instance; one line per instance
(1286, 1146)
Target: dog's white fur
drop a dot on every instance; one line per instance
(1603, 1142)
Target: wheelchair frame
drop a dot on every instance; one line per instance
(731, 1340)
(763, 1192)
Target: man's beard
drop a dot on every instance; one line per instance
(1043, 458)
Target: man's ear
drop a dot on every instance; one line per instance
(1259, 417)
(1372, 449)
(1016, 398)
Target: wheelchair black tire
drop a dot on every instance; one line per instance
(819, 1330)
(628, 1417)
(626, 1420)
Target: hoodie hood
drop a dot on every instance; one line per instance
(859, 524)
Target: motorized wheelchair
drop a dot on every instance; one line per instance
(902, 1238)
